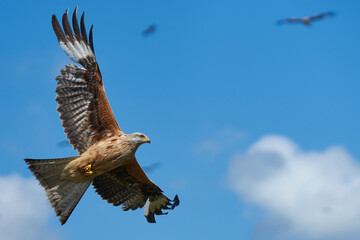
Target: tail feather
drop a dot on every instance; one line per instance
(64, 202)
(63, 194)
(48, 171)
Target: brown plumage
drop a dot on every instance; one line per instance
(106, 154)
(306, 20)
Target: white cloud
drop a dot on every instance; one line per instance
(315, 195)
(24, 210)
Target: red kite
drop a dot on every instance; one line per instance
(106, 154)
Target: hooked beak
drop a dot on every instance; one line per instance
(147, 140)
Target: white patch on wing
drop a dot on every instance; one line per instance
(67, 51)
(82, 53)
(76, 51)
(85, 49)
(73, 51)
(147, 207)
(90, 52)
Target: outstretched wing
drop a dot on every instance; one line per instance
(82, 103)
(129, 186)
(290, 20)
(322, 15)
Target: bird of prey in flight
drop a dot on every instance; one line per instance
(106, 154)
(306, 20)
(150, 30)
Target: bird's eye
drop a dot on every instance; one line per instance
(142, 136)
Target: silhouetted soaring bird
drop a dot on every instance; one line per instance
(150, 30)
(306, 20)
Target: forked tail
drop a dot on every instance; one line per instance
(63, 195)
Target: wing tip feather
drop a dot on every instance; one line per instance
(73, 39)
(150, 211)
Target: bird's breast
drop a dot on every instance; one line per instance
(100, 158)
(112, 154)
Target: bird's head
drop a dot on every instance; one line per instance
(138, 138)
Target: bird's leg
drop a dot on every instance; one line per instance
(87, 170)
(86, 162)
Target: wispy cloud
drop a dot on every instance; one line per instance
(24, 210)
(310, 195)
(220, 141)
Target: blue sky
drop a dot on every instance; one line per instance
(234, 104)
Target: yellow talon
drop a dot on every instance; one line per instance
(87, 170)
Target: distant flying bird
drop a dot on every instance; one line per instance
(106, 154)
(64, 143)
(151, 167)
(150, 30)
(306, 20)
